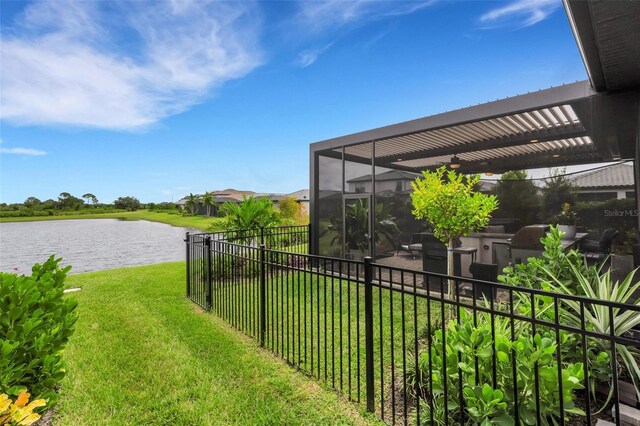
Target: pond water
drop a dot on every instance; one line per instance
(89, 244)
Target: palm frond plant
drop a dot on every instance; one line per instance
(249, 214)
(208, 201)
(192, 202)
(355, 233)
(603, 319)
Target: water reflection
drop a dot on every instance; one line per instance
(89, 244)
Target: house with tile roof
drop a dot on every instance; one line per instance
(610, 182)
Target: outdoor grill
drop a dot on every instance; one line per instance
(526, 243)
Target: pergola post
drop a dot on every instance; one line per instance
(636, 178)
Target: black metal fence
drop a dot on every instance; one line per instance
(393, 340)
(201, 272)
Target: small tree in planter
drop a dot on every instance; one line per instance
(566, 221)
(448, 202)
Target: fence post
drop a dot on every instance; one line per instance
(309, 238)
(263, 300)
(188, 246)
(262, 235)
(368, 332)
(209, 275)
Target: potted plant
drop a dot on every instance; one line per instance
(566, 221)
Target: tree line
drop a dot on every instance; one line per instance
(68, 203)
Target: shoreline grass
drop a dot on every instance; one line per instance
(198, 222)
(144, 354)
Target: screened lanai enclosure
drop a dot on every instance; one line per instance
(361, 183)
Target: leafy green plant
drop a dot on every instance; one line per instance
(250, 213)
(356, 229)
(36, 322)
(448, 201)
(487, 406)
(467, 357)
(599, 318)
(568, 273)
(567, 216)
(553, 259)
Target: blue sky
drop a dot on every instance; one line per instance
(156, 100)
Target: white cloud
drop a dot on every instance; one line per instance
(519, 13)
(308, 57)
(320, 15)
(22, 151)
(66, 66)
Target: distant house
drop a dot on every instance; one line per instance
(235, 196)
(611, 182)
(391, 181)
(397, 181)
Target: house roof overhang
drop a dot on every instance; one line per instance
(608, 36)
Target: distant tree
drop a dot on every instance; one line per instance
(557, 191)
(67, 201)
(127, 203)
(208, 201)
(289, 208)
(192, 202)
(518, 197)
(32, 202)
(49, 204)
(90, 198)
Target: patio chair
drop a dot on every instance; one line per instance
(484, 272)
(413, 247)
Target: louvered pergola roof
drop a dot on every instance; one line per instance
(565, 125)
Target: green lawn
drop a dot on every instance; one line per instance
(198, 222)
(143, 354)
(317, 323)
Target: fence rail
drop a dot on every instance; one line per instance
(392, 340)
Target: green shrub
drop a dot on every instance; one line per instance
(226, 266)
(467, 358)
(553, 260)
(36, 322)
(568, 273)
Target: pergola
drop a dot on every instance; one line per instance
(579, 123)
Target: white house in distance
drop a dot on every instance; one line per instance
(610, 182)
